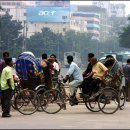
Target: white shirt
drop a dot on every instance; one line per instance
(75, 71)
(56, 66)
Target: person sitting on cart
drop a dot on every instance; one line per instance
(109, 61)
(99, 71)
(86, 73)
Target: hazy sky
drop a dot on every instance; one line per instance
(127, 3)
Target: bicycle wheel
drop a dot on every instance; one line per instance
(92, 105)
(108, 101)
(122, 98)
(39, 93)
(52, 101)
(27, 102)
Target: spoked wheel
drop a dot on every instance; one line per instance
(52, 101)
(13, 103)
(92, 105)
(108, 101)
(122, 98)
(63, 92)
(27, 102)
(39, 93)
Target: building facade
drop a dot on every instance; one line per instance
(113, 10)
(91, 21)
(98, 24)
(14, 8)
(118, 10)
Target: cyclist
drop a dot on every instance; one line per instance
(76, 74)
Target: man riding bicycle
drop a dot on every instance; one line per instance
(74, 72)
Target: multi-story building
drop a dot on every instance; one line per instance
(118, 10)
(55, 18)
(113, 10)
(103, 4)
(78, 25)
(97, 21)
(14, 8)
(91, 21)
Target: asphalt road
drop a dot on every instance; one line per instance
(76, 117)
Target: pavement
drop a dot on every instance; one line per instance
(76, 117)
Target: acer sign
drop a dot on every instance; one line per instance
(48, 14)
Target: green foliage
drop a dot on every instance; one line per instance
(10, 35)
(44, 42)
(125, 37)
(50, 42)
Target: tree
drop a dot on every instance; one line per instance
(10, 35)
(45, 41)
(124, 37)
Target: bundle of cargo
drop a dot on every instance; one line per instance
(29, 70)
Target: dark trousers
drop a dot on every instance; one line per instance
(90, 85)
(127, 84)
(85, 85)
(6, 101)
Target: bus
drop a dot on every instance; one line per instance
(76, 56)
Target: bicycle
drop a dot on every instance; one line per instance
(24, 100)
(59, 97)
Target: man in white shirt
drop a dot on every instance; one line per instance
(55, 65)
(75, 72)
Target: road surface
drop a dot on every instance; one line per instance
(76, 117)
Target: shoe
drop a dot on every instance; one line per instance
(8, 115)
(73, 101)
(105, 101)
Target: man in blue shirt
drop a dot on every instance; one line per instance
(74, 72)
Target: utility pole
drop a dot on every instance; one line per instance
(25, 29)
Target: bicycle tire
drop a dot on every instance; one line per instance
(26, 98)
(104, 99)
(122, 98)
(52, 96)
(89, 104)
(39, 93)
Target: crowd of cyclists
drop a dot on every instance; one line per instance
(88, 81)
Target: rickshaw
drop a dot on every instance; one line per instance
(30, 74)
(111, 95)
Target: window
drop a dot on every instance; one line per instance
(8, 10)
(13, 3)
(64, 17)
(18, 4)
(92, 22)
(3, 3)
(8, 3)
(25, 14)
